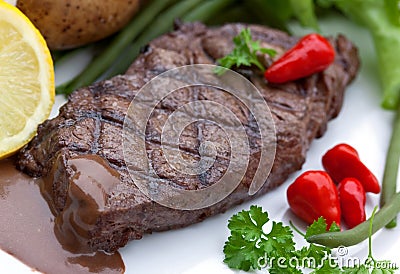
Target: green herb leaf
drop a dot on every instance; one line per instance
(244, 53)
(334, 227)
(320, 226)
(249, 247)
(313, 256)
(242, 249)
(317, 227)
(327, 268)
(360, 269)
(249, 223)
(240, 253)
(279, 241)
(276, 269)
(248, 244)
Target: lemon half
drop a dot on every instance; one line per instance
(26, 80)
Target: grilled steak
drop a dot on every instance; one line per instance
(91, 123)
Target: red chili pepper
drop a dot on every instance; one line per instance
(352, 201)
(312, 53)
(342, 161)
(312, 195)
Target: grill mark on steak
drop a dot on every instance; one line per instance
(92, 120)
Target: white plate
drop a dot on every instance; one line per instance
(198, 248)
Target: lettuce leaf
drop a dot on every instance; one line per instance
(381, 18)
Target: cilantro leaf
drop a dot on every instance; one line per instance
(248, 245)
(317, 227)
(240, 253)
(249, 223)
(360, 269)
(244, 53)
(313, 256)
(278, 269)
(327, 267)
(334, 227)
(242, 249)
(320, 226)
(318, 253)
(279, 240)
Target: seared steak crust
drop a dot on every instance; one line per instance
(91, 123)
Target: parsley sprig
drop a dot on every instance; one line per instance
(250, 247)
(244, 53)
(248, 242)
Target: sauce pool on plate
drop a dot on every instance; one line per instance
(27, 230)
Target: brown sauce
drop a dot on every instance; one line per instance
(91, 179)
(27, 229)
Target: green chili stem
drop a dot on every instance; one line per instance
(359, 233)
(389, 182)
(102, 62)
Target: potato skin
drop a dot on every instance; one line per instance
(68, 24)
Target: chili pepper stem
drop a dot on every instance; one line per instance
(359, 233)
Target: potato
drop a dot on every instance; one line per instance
(72, 23)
